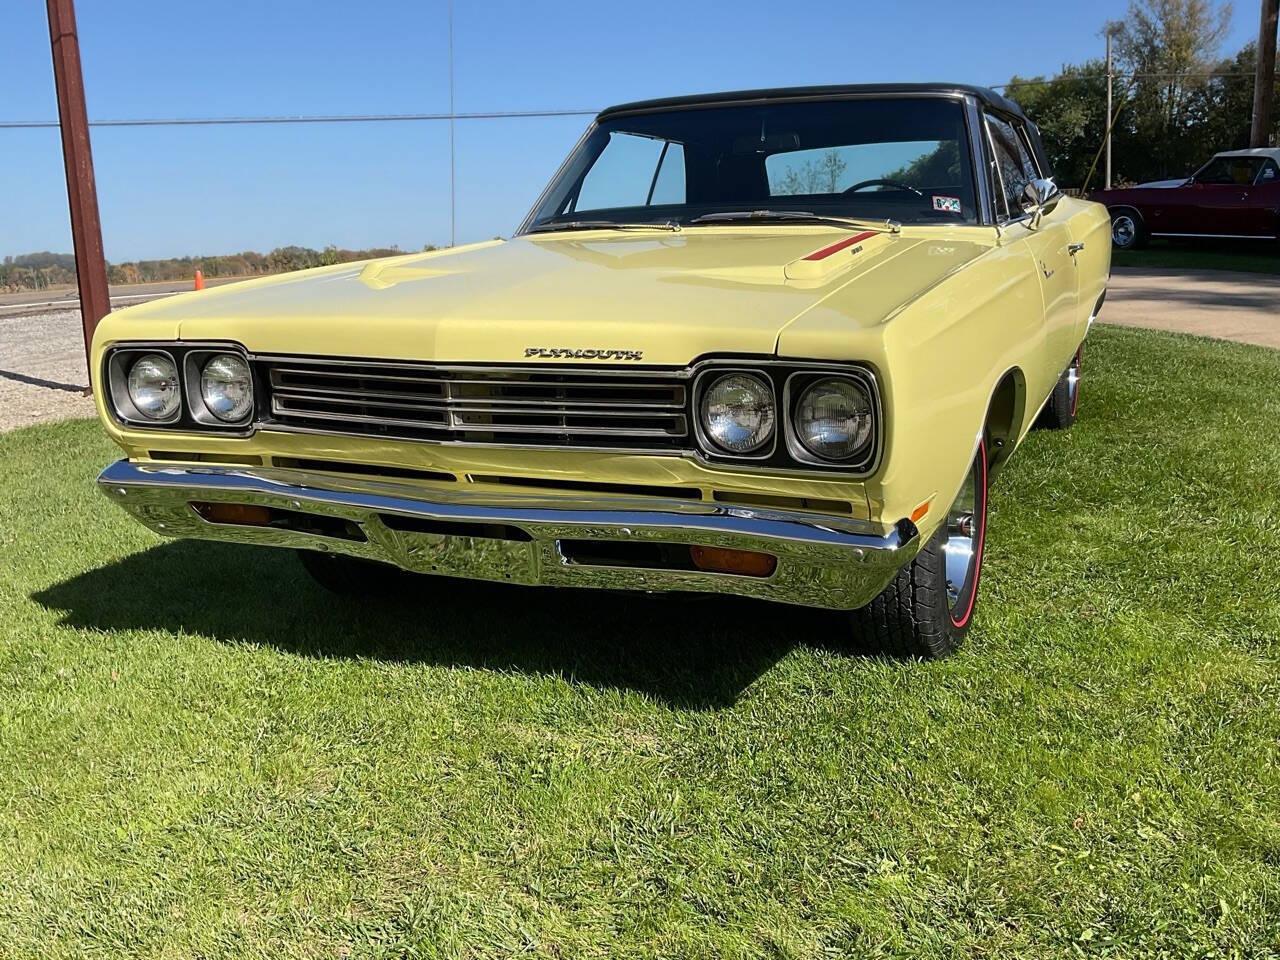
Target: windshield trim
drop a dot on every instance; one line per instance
(968, 101)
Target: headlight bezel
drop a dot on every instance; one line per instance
(794, 390)
(119, 365)
(789, 378)
(194, 365)
(704, 383)
(191, 416)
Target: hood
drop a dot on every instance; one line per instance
(598, 295)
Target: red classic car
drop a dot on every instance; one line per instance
(1236, 194)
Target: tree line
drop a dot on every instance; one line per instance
(39, 271)
(1177, 102)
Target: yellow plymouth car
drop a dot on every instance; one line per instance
(772, 343)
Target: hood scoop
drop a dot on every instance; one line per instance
(835, 258)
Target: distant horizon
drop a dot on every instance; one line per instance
(231, 253)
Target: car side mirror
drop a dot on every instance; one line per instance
(1039, 197)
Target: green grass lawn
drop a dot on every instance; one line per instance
(1249, 257)
(202, 754)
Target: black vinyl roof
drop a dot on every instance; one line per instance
(984, 94)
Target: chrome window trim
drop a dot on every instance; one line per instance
(797, 449)
(555, 177)
(709, 445)
(977, 127)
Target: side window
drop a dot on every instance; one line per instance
(1014, 167)
(1270, 173)
(633, 171)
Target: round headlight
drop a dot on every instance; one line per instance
(834, 418)
(153, 386)
(227, 388)
(737, 412)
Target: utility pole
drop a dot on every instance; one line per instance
(1264, 84)
(453, 233)
(1111, 29)
(82, 193)
(1108, 178)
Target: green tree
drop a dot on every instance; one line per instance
(813, 176)
(1169, 45)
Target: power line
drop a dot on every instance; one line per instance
(493, 114)
(336, 118)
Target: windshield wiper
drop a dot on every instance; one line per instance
(546, 227)
(797, 216)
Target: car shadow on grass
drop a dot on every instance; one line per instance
(685, 651)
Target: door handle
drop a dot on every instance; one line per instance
(1074, 248)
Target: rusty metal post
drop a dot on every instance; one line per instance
(82, 193)
(1265, 79)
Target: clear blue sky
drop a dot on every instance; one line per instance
(173, 191)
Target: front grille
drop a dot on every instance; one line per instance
(566, 407)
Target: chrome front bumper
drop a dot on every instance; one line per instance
(823, 561)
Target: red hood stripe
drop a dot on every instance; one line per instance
(837, 247)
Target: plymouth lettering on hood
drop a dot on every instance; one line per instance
(567, 353)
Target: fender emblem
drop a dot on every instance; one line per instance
(567, 353)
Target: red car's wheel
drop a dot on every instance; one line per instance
(1127, 231)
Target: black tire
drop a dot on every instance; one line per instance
(351, 576)
(1059, 411)
(921, 614)
(1127, 229)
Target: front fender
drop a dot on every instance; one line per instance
(940, 359)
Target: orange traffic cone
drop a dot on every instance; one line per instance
(199, 280)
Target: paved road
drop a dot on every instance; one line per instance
(42, 366)
(1209, 303)
(122, 295)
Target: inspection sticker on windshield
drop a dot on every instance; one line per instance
(947, 204)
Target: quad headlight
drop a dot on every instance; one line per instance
(738, 413)
(152, 386)
(834, 418)
(226, 387)
(179, 386)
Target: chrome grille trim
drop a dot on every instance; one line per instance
(545, 406)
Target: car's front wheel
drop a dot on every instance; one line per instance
(1127, 232)
(927, 608)
(1060, 409)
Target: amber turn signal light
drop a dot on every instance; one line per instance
(241, 514)
(748, 563)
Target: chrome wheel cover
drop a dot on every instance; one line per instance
(1073, 382)
(1123, 231)
(959, 546)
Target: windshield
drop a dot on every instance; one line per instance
(901, 158)
(1234, 171)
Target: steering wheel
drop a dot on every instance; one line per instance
(884, 183)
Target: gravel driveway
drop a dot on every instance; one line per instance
(42, 366)
(42, 369)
